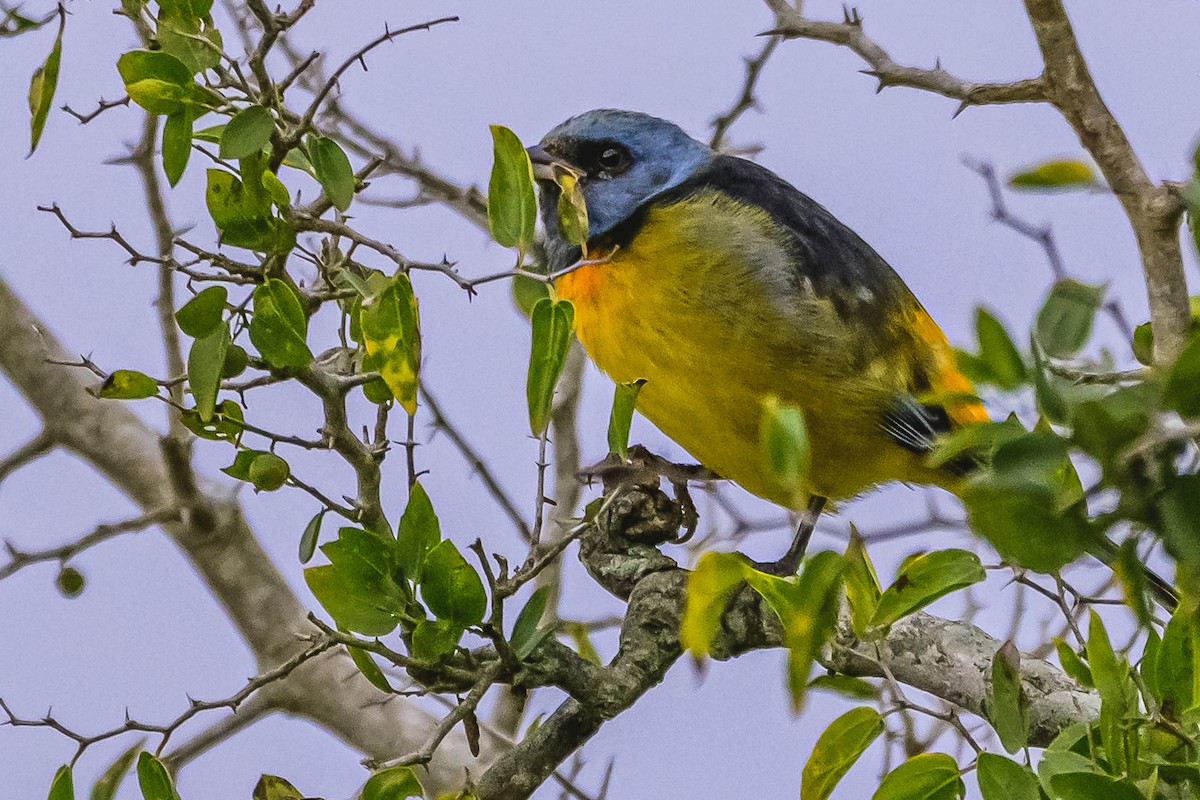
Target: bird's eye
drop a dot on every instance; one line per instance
(613, 158)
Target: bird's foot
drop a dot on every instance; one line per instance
(646, 468)
(787, 565)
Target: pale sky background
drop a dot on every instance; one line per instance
(145, 632)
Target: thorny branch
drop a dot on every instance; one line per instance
(792, 24)
(19, 559)
(1043, 235)
(84, 741)
(1153, 209)
(746, 100)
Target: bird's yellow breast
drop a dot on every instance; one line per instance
(696, 306)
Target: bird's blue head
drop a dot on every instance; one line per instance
(621, 158)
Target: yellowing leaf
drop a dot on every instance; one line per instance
(391, 332)
(709, 588)
(572, 211)
(127, 384)
(43, 85)
(1055, 175)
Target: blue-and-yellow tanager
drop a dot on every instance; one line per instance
(721, 285)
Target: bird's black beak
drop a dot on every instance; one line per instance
(545, 166)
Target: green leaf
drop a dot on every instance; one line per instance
(1009, 711)
(105, 787)
(978, 440)
(205, 365)
(1001, 778)
(512, 205)
(140, 65)
(62, 787)
(862, 584)
(225, 426)
(236, 361)
(308, 540)
(1053, 398)
(370, 670)
(1174, 666)
(928, 776)
(1064, 323)
(1003, 362)
(279, 326)
(451, 587)
(786, 450)
(391, 329)
(836, 751)
(1057, 762)
(845, 685)
(1143, 344)
(1027, 504)
(1181, 390)
(1065, 174)
(1088, 786)
(357, 588)
(621, 417)
(126, 384)
(807, 609)
(193, 41)
(153, 779)
(434, 638)
(572, 211)
(268, 472)
(525, 634)
(396, 783)
(70, 582)
(551, 323)
(709, 588)
(925, 579)
(176, 144)
(1113, 684)
(1072, 664)
(1178, 510)
(158, 97)
(201, 315)
(276, 189)
(247, 133)
(526, 291)
(418, 533)
(242, 211)
(333, 169)
(42, 87)
(1131, 573)
(273, 787)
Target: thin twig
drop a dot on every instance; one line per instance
(746, 100)
(792, 24)
(18, 559)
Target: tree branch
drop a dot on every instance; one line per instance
(792, 24)
(215, 538)
(1153, 210)
(950, 660)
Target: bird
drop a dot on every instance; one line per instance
(724, 288)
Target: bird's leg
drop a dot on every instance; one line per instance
(786, 566)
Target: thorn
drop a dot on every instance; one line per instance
(966, 101)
